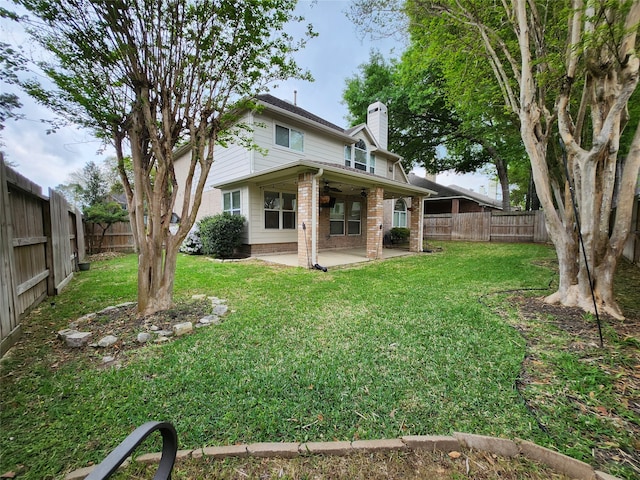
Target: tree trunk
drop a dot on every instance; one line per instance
(156, 273)
(503, 176)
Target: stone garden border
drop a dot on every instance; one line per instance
(500, 446)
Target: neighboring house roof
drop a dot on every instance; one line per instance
(120, 198)
(445, 193)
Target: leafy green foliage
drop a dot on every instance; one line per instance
(150, 76)
(400, 234)
(221, 234)
(430, 124)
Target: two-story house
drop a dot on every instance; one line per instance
(312, 185)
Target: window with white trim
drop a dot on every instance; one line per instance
(400, 213)
(280, 210)
(360, 155)
(355, 218)
(231, 202)
(336, 218)
(290, 138)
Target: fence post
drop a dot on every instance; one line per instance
(9, 318)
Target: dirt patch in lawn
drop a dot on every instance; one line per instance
(562, 338)
(416, 464)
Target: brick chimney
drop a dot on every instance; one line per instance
(378, 123)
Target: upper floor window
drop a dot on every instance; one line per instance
(279, 210)
(231, 202)
(347, 155)
(356, 156)
(360, 155)
(289, 138)
(400, 213)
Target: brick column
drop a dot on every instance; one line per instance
(305, 205)
(375, 215)
(416, 224)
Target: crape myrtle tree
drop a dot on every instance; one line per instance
(567, 70)
(149, 76)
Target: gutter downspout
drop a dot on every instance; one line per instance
(314, 216)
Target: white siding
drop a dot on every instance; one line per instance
(317, 145)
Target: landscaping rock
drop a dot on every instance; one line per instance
(154, 328)
(77, 339)
(180, 329)
(216, 301)
(108, 359)
(164, 333)
(220, 310)
(86, 317)
(143, 337)
(200, 296)
(210, 319)
(126, 305)
(107, 341)
(62, 334)
(108, 310)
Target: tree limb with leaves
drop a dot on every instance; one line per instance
(566, 69)
(151, 76)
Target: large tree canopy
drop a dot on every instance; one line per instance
(151, 75)
(566, 69)
(431, 123)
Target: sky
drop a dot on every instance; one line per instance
(332, 57)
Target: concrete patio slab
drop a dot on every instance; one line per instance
(333, 258)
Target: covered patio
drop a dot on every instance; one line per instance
(337, 215)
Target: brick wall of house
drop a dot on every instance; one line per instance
(325, 240)
(305, 198)
(375, 217)
(415, 224)
(268, 248)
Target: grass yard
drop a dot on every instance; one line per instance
(414, 345)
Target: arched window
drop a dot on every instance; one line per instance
(400, 213)
(360, 155)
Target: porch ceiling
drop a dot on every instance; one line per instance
(348, 181)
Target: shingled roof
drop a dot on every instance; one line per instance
(290, 107)
(443, 192)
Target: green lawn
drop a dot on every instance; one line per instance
(384, 349)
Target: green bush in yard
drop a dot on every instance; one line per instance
(221, 234)
(400, 234)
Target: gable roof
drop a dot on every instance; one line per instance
(452, 191)
(282, 106)
(277, 105)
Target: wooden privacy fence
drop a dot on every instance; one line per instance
(117, 238)
(41, 241)
(487, 227)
